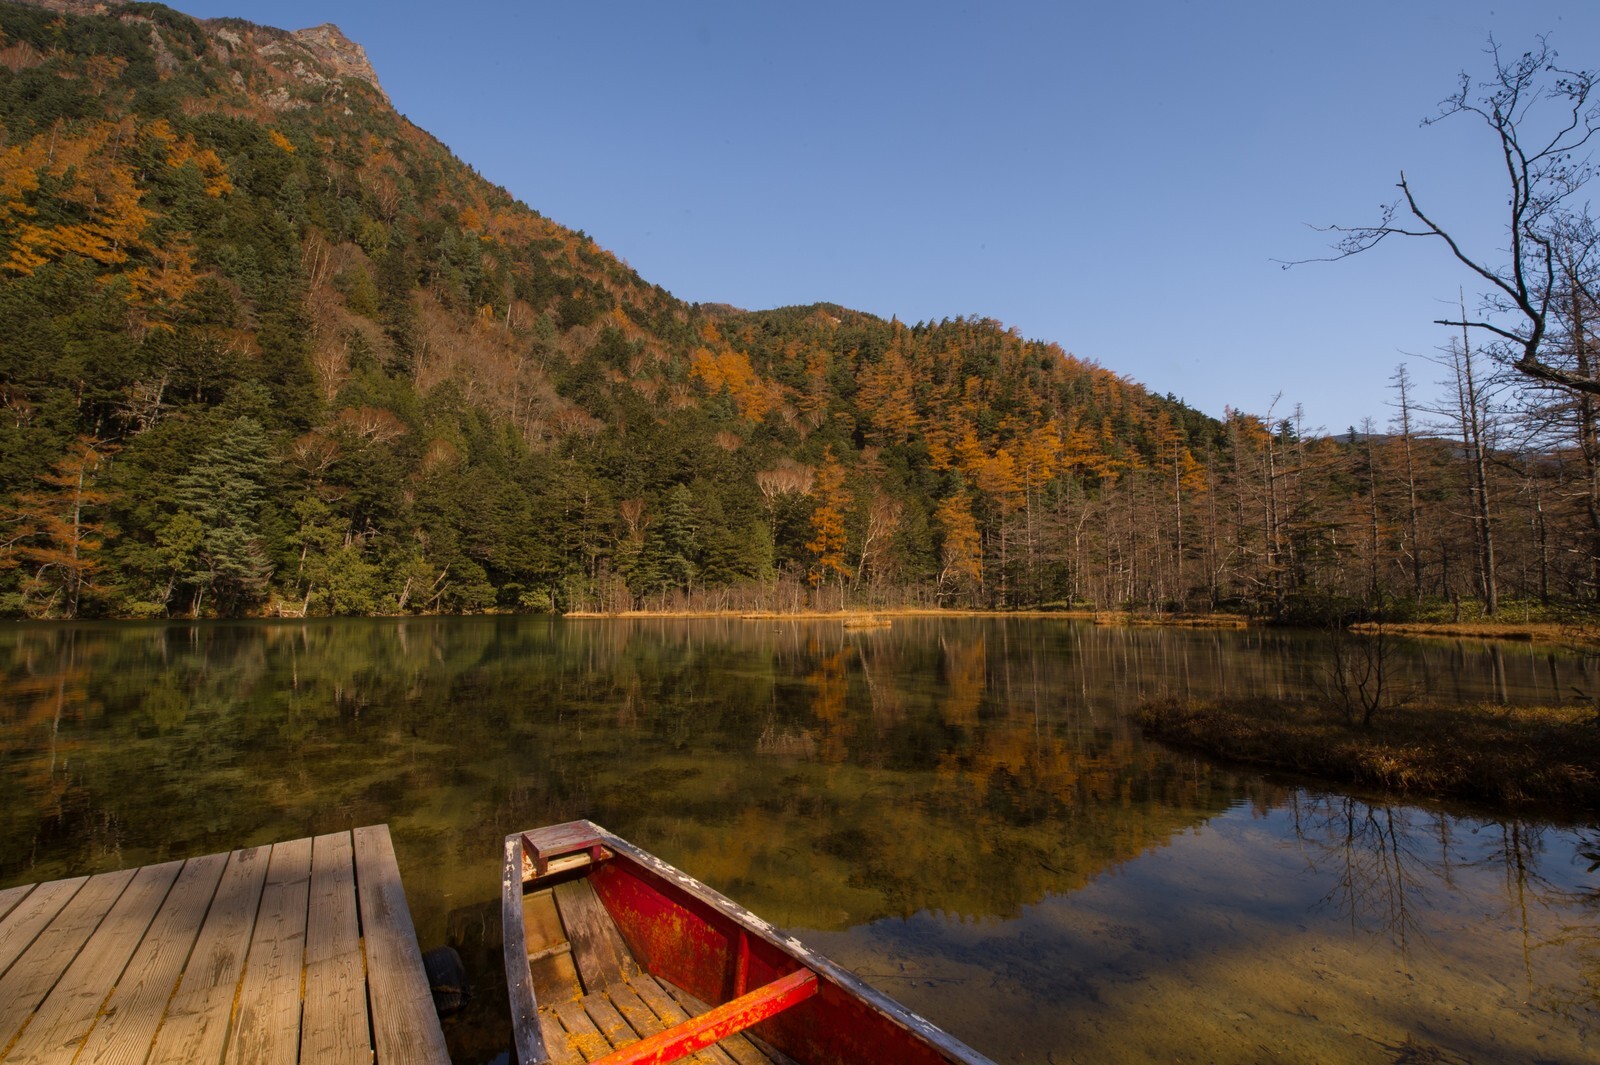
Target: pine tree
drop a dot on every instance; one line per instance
(671, 546)
(224, 492)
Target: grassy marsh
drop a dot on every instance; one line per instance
(1512, 756)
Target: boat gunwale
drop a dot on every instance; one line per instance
(524, 1006)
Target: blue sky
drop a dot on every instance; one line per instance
(1116, 177)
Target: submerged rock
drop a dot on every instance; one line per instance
(447, 979)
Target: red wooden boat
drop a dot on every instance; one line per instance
(613, 956)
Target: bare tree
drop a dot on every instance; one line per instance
(1474, 419)
(1542, 117)
(1402, 385)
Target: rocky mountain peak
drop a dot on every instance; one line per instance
(344, 57)
(333, 56)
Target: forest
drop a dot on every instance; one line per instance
(267, 348)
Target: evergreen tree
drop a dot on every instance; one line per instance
(224, 493)
(670, 545)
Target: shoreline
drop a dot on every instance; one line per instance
(1099, 617)
(1511, 632)
(824, 615)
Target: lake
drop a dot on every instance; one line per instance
(959, 809)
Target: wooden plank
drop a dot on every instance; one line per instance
(618, 1032)
(31, 916)
(334, 1028)
(541, 921)
(527, 1036)
(582, 1035)
(128, 1024)
(641, 1018)
(654, 994)
(69, 1011)
(596, 944)
(196, 1026)
(656, 997)
(628, 1008)
(404, 1025)
(266, 1020)
(555, 979)
(555, 1040)
(11, 896)
(551, 967)
(27, 982)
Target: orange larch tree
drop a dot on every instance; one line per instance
(961, 557)
(54, 537)
(828, 539)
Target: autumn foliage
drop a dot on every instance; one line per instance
(342, 373)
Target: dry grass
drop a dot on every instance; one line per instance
(1505, 756)
(1535, 631)
(875, 615)
(1185, 621)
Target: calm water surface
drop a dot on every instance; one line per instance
(958, 809)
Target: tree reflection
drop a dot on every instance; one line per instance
(1575, 912)
(827, 777)
(1392, 867)
(1380, 859)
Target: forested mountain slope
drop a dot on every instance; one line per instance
(266, 347)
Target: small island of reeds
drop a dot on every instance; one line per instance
(1506, 756)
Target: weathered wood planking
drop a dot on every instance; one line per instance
(196, 1025)
(405, 1027)
(31, 916)
(124, 1032)
(65, 1017)
(582, 1035)
(268, 954)
(666, 1007)
(266, 1022)
(334, 1028)
(11, 896)
(596, 944)
(31, 977)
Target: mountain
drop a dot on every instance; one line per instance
(267, 347)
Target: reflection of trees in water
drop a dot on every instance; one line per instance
(1380, 857)
(966, 766)
(44, 699)
(853, 764)
(1574, 912)
(1391, 865)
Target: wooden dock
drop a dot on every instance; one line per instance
(299, 951)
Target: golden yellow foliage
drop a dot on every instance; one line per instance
(827, 522)
(887, 399)
(962, 555)
(104, 190)
(731, 370)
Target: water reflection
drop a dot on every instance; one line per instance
(1319, 928)
(958, 807)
